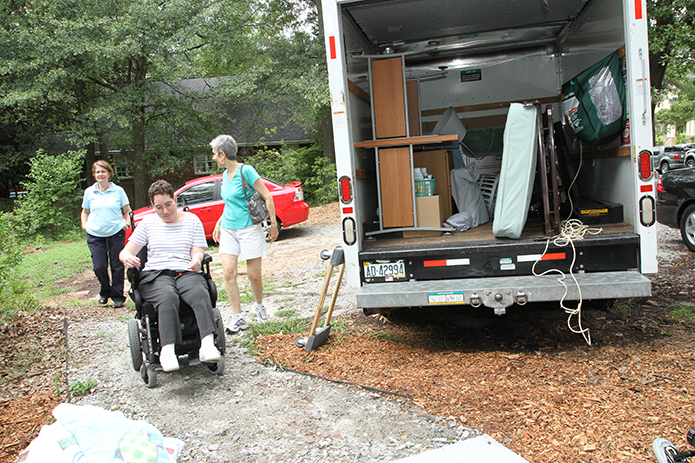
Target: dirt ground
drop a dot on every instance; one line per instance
(523, 378)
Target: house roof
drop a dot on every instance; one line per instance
(271, 121)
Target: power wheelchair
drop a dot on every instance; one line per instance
(143, 330)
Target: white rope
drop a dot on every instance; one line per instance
(570, 230)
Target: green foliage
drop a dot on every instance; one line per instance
(53, 197)
(622, 307)
(683, 313)
(286, 313)
(10, 252)
(671, 38)
(680, 109)
(291, 324)
(46, 264)
(317, 173)
(13, 294)
(79, 388)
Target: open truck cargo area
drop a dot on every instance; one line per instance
(467, 132)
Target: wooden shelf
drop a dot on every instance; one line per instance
(406, 141)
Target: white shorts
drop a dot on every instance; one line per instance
(245, 243)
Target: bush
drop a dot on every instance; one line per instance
(317, 173)
(13, 294)
(53, 196)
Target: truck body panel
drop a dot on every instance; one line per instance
(478, 57)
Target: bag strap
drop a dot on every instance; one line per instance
(244, 183)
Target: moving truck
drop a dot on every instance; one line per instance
(466, 132)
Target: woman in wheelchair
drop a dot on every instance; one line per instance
(175, 243)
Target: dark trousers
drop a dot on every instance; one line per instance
(104, 252)
(165, 291)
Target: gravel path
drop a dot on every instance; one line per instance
(257, 413)
(253, 412)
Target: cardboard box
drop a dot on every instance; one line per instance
(429, 214)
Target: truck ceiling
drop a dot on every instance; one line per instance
(429, 30)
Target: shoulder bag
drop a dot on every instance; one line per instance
(254, 202)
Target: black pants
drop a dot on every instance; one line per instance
(164, 292)
(105, 251)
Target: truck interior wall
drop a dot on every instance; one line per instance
(598, 32)
(506, 80)
(611, 180)
(365, 188)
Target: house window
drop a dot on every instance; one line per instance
(123, 171)
(203, 164)
(122, 166)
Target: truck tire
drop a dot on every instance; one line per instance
(690, 162)
(688, 227)
(664, 167)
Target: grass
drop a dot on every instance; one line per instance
(245, 293)
(289, 325)
(681, 313)
(54, 261)
(78, 388)
(622, 307)
(33, 282)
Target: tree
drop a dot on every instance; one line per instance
(671, 41)
(115, 71)
(288, 64)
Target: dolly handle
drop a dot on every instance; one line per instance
(317, 315)
(335, 295)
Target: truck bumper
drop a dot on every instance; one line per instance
(501, 292)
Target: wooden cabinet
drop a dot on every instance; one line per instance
(413, 93)
(395, 178)
(388, 98)
(438, 164)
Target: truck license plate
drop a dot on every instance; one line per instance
(390, 271)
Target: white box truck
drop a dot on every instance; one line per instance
(486, 95)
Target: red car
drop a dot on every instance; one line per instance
(202, 197)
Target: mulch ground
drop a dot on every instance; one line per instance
(523, 378)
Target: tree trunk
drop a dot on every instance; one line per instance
(89, 158)
(139, 174)
(140, 178)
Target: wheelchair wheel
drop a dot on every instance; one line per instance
(134, 341)
(221, 341)
(148, 375)
(216, 368)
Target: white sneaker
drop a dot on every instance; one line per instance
(261, 313)
(238, 323)
(168, 358)
(208, 353)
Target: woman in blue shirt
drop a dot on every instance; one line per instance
(103, 208)
(239, 238)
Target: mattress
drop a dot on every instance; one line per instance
(518, 171)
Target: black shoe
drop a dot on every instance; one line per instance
(118, 305)
(103, 300)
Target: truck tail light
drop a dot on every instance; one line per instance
(646, 170)
(647, 211)
(677, 156)
(349, 232)
(345, 186)
(660, 185)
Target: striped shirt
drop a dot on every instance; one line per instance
(169, 244)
